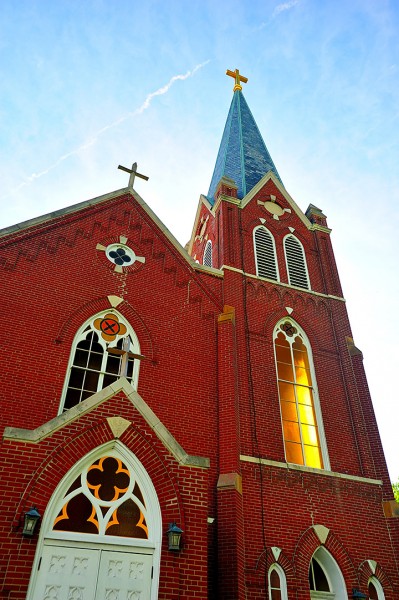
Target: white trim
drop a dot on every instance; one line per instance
(154, 522)
(283, 580)
(378, 587)
(333, 573)
(316, 400)
(257, 248)
(303, 256)
(80, 335)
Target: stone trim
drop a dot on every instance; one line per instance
(73, 414)
(292, 467)
(230, 481)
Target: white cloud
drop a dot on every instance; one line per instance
(284, 6)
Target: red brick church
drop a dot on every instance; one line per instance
(188, 423)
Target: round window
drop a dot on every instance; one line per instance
(120, 255)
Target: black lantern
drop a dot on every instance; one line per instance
(31, 519)
(174, 537)
(358, 595)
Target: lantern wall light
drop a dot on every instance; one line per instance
(174, 537)
(32, 518)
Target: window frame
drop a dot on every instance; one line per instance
(283, 581)
(208, 253)
(378, 587)
(305, 262)
(256, 254)
(314, 388)
(81, 334)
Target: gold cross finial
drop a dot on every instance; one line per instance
(238, 78)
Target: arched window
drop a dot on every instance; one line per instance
(325, 578)
(277, 583)
(208, 254)
(375, 589)
(300, 411)
(102, 351)
(296, 262)
(265, 254)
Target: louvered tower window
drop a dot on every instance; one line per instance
(296, 262)
(265, 254)
(208, 254)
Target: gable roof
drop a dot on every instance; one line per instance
(242, 155)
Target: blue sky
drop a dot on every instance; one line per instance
(90, 85)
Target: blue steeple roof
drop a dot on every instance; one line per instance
(242, 155)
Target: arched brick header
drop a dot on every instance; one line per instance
(72, 448)
(365, 571)
(306, 546)
(86, 311)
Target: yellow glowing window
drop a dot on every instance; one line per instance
(296, 392)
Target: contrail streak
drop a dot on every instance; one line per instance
(138, 111)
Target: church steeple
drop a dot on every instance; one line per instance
(242, 155)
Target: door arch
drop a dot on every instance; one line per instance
(101, 532)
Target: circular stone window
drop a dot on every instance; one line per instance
(120, 255)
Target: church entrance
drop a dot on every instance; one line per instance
(101, 534)
(84, 573)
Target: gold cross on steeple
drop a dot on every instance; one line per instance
(238, 78)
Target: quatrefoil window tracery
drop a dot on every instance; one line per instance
(105, 499)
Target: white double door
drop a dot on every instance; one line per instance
(84, 573)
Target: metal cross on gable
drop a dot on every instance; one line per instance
(133, 174)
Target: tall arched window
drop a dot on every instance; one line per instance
(208, 254)
(296, 262)
(265, 254)
(300, 412)
(325, 578)
(277, 583)
(375, 589)
(102, 351)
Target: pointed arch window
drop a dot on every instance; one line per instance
(300, 411)
(208, 254)
(265, 254)
(277, 583)
(101, 353)
(375, 589)
(325, 578)
(296, 262)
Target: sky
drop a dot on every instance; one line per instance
(89, 85)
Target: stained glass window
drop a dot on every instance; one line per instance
(97, 357)
(105, 499)
(296, 392)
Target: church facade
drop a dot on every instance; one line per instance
(214, 392)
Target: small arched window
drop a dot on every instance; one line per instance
(375, 589)
(277, 583)
(265, 254)
(325, 578)
(296, 262)
(300, 411)
(102, 351)
(208, 254)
